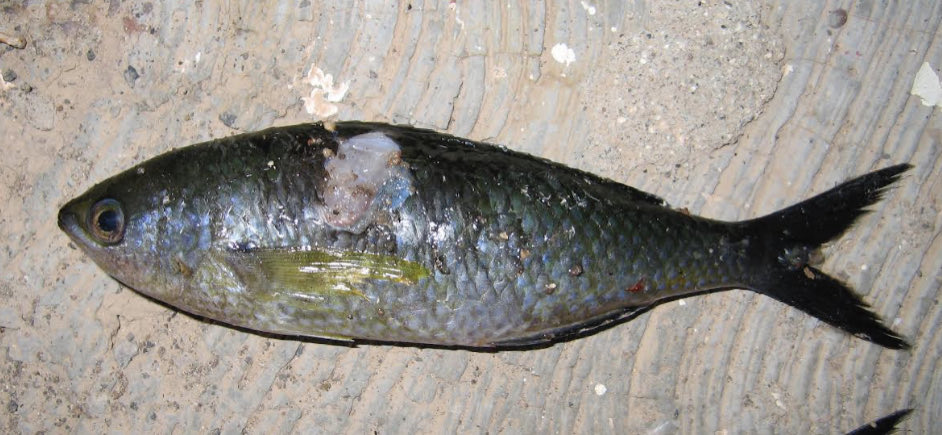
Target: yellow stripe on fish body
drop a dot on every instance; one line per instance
(322, 272)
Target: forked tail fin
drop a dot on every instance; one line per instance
(791, 235)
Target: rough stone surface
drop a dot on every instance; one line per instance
(730, 110)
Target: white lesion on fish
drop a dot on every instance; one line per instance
(365, 179)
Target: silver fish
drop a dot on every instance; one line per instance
(396, 234)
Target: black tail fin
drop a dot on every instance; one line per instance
(792, 234)
(882, 426)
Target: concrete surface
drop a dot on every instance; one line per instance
(730, 109)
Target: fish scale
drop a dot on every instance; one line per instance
(603, 222)
(390, 233)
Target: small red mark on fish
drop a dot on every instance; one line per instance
(685, 211)
(638, 286)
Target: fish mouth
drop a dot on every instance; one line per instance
(66, 220)
(69, 224)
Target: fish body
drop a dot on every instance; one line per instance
(390, 233)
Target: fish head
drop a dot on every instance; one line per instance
(129, 228)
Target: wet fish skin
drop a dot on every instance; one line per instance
(455, 243)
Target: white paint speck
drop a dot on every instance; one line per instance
(454, 7)
(927, 86)
(600, 389)
(588, 8)
(778, 401)
(563, 54)
(325, 92)
(787, 69)
(864, 267)
(182, 66)
(681, 302)
(666, 426)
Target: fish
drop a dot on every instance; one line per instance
(369, 232)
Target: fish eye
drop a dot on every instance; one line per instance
(106, 221)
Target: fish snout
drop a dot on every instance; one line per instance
(67, 220)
